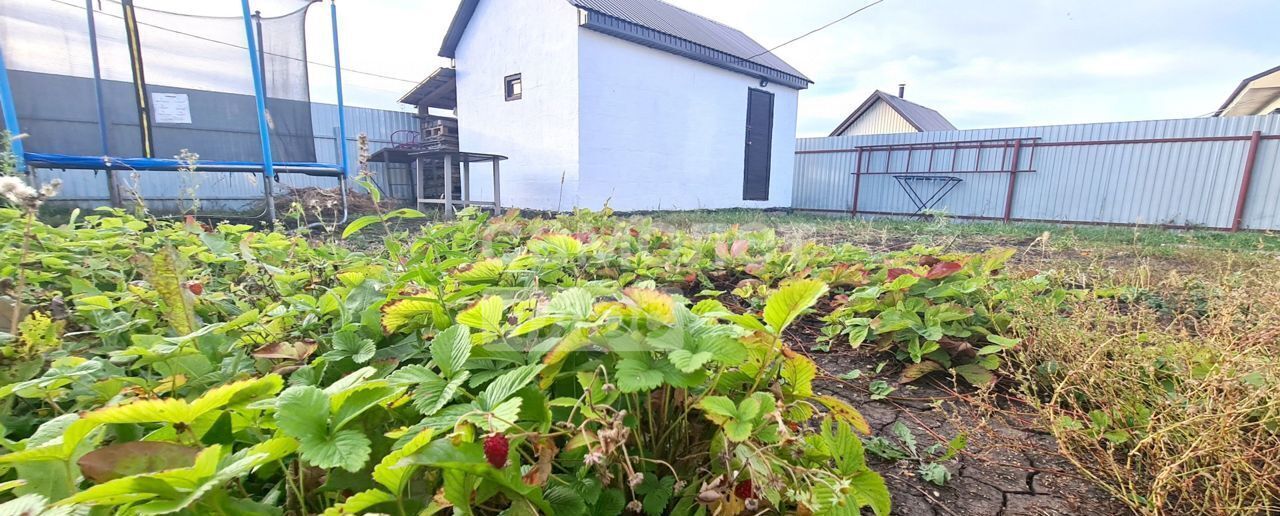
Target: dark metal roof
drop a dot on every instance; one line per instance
(665, 27)
(438, 90)
(920, 117)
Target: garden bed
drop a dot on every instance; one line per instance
(591, 364)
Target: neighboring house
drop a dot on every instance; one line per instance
(638, 104)
(883, 113)
(1257, 95)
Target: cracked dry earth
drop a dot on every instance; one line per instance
(1009, 466)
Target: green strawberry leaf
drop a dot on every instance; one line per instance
(303, 413)
(451, 349)
(433, 395)
(346, 449)
(634, 375)
(574, 303)
(485, 315)
(737, 431)
(688, 361)
(505, 386)
(718, 408)
(791, 300)
(656, 499)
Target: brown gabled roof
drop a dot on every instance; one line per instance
(1244, 85)
(922, 118)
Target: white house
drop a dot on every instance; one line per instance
(883, 113)
(636, 104)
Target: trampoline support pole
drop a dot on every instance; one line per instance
(11, 115)
(139, 77)
(113, 188)
(342, 114)
(342, 185)
(260, 94)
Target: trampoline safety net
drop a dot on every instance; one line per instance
(171, 80)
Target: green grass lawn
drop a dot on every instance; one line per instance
(941, 229)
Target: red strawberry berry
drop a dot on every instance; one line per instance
(745, 490)
(195, 287)
(496, 448)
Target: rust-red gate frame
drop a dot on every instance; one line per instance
(1014, 166)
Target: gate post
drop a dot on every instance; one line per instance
(1013, 180)
(1249, 161)
(857, 181)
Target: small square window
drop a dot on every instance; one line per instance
(513, 87)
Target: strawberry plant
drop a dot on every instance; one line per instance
(935, 314)
(575, 365)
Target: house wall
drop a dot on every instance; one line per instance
(539, 132)
(662, 132)
(880, 119)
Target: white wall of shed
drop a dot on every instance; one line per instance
(539, 132)
(662, 132)
(880, 119)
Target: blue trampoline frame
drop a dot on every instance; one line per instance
(268, 168)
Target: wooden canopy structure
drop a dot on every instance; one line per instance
(439, 90)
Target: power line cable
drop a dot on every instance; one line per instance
(819, 29)
(242, 47)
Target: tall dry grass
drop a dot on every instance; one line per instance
(1164, 388)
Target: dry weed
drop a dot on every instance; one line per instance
(1162, 390)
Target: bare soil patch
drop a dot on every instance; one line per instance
(1010, 465)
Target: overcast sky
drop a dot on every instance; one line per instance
(981, 63)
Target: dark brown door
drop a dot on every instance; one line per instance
(755, 184)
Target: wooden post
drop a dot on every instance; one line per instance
(1013, 179)
(1245, 182)
(418, 180)
(466, 183)
(448, 186)
(497, 188)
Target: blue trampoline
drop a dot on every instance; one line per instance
(257, 56)
(69, 162)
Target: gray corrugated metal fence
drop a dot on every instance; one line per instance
(1166, 172)
(237, 192)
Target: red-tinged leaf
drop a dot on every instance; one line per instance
(739, 249)
(132, 458)
(894, 273)
(753, 269)
(196, 226)
(722, 251)
(943, 269)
